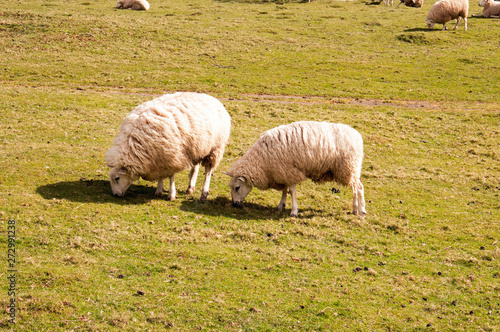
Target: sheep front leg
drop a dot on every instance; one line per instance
(282, 203)
(206, 184)
(193, 175)
(171, 190)
(295, 206)
(159, 188)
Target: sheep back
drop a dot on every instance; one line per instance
(169, 134)
(288, 154)
(446, 10)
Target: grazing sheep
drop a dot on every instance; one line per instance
(412, 3)
(447, 10)
(287, 155)
(388, 2)
(491, 8)
(166, 135)
(133, 4)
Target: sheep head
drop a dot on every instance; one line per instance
(120, 179)
(240, 188)
(430, 24)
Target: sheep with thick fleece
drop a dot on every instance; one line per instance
(491, 8)
(287, 155)
(133, 4)
(166, 135)
(446, 10)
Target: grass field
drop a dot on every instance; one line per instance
(426, 257)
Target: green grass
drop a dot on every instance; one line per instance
(426, 257)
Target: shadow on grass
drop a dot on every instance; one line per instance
(95, 191)
(222, 207)
(420, 30)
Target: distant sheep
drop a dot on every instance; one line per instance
(388, 2)
(446, 10)
(412, 3)
(133, 4)
(287, 155)
(491, 8)
(166, 135)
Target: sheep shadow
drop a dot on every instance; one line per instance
(222, 207)
(420, 30)
(95, 191)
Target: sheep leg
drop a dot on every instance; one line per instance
(444, 27)
(456, 25)
(358, 203)
(465, 22)
(171, 190)
(282, 203)
(159, 188)
(295, 206)
(193, 175)
(206, 184)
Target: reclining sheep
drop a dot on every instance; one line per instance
(133, 4)
(491, 8)
(412, 3)
(446, 10)
(165, 136)
(287, 155)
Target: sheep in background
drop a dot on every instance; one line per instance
(133, 4)
(447, 10)
(412, 3)
(388, 2)
(491, 8)
(166, 135)
(287, 155)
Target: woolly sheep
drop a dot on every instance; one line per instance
(447, 10)
(412, 3)
(166, 135)
(133, 4)
(289, 154)
(491, 8)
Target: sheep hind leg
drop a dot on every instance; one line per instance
(159, 188)
(206, 184)
(171, 190)
(193, 175)
(282, 203)
(358, 201)
(295, 205)
(456, 25)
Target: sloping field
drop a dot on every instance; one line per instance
(426, 256)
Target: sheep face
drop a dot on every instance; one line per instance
(120, 4)
(430, 24)
(120, 180)
(240, 188)
(484, 2)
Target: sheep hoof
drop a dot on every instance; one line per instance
(159, 194)
(203, 197)
(280, 207)
(189, 191)
(294, 214)
(171, 197)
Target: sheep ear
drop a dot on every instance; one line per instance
(111, 166)
(122, 171)
(228, 174)
(242, 179)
